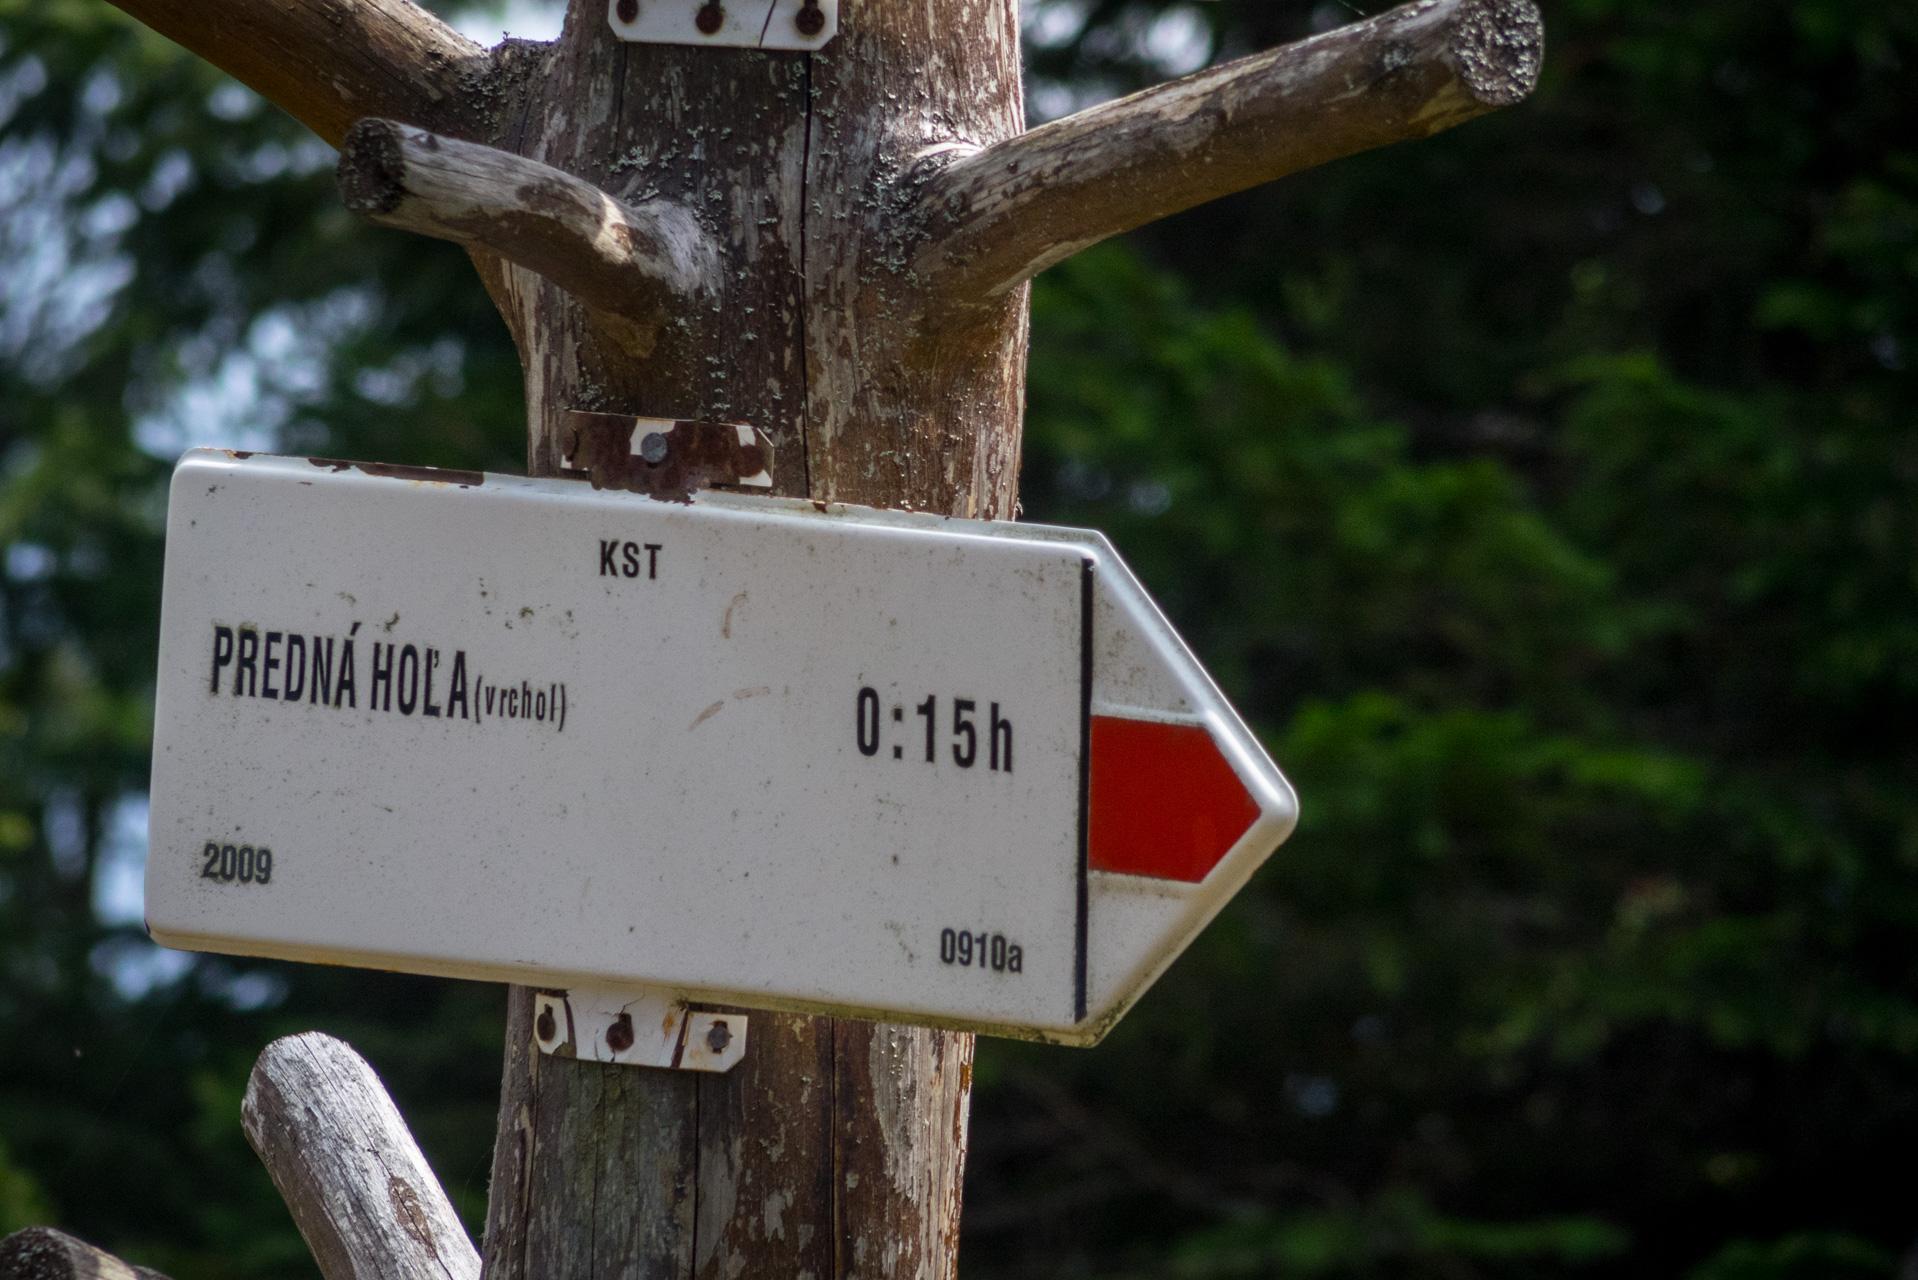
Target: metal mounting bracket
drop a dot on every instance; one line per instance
(636, 1027)
(751, 24)
(663, 457)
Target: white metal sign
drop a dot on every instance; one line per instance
(742, 750)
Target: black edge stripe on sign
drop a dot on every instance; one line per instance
(1085, 787)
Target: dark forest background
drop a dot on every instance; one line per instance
(1544, 493)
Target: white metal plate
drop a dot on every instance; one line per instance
(755, 24)
(597, 740)
(636, 1028)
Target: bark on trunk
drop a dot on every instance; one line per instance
(836, 1148)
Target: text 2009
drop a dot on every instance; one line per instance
(243, 864)
(983, 950)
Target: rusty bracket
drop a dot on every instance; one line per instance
(664, 457)
(638, 1028)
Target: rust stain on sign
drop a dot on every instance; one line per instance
(664, 457)
(395, 471)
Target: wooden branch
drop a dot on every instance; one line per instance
(633, 266)
(328, 62)
(1003, 214)
(348, 1168)
(41, 1253)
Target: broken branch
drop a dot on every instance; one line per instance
(632, 266)
(347, 1166)
(1002, 215)
(327, 62)
(41, 1253)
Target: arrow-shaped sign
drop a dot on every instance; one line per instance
(749, 750)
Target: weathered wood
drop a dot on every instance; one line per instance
(611, 1184)
(509, 1207)
(990, 211)
(42, 1253)
(360, 1191)
(766, 1159)
(903, 1099)
(330, 62)
(897, 415)
(1004, 213)
(634, 267)
(720, 132)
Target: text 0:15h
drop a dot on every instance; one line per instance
(971, 737)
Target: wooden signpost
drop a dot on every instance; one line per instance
(830, 240)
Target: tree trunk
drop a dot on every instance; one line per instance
(837, 1147)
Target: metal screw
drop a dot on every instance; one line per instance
(619, 1036)
(546, 1027)
(652, 445)
(809, 19)
(709, 18)
(628, 11)
(719, 1037)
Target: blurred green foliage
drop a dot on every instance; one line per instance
(1542, 492)
(21, 1204)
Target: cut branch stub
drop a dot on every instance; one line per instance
(632, 266)
(347, 1166)
(41, 1253)
(1003, 214)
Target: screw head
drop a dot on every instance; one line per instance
(619, 1036)
(719, 1037)
(810, 20)
(652, 446)
(628, 11)
(709, 18)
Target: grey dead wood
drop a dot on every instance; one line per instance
(42, 1253)
(344, 1161)
(632, 267)
(873, 212)
(1004, 213)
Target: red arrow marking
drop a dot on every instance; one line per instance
(1165, 803)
